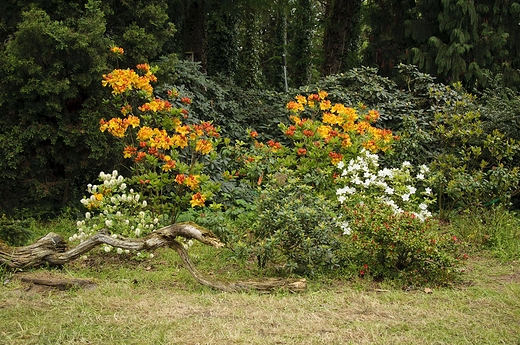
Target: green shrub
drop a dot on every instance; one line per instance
(295, 227)
(390, 245)
(15, 232)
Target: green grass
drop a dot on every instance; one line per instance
(155, 301)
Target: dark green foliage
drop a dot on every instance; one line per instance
(50, 103)
(250, 70)
(300, 42)
(341, 35)
(231, 108)
(222, 43)
(275, 29)
(15, 232)
(51, 65)
(466, 41)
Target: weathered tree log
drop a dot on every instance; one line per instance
(60, 284)
(53, 249)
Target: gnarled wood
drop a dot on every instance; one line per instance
(60, 284)
(53, 249)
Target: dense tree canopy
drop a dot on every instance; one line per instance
(54, 54)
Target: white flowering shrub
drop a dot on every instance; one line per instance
(387, 227)
(403, 189)
(112, 206)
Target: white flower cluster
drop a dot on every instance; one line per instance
(395, 187)
(115, 208)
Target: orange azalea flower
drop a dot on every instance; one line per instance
(295, 106)
(335, 157)
(129, 151)
(156, 105)
(186, 100)
(296, 119)
(290, 131)
(183, 130)
(372, 116)
(126, 109)
(253, 134)
(192, 181)
(161, 140)
(197, 199)
(349, 114)
(370, 145)
(115, 126)
(308, 132)
(338, 108)
(313, 97)
(180, 178)
(332, 119)
(117, 50)
(325, 105)
(203, 146)
(153, 151)
(132, 120)
(143, 67)
(323, 94)
(362, 127)
(140, 156)
(144, 133)
(301, 151)
(324, 131)
(210, 129)
(122, 80)
(346, 142)
(179, 141)
(301, 99)
(169, 165)
(274, 145)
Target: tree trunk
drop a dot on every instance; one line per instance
(194, 34)
(341, 35)
(52, 249)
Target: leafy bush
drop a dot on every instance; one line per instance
(471, 167)
(226, 105)
(15, 232)
(295, 226)
(390, 245)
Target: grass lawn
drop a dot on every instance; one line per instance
(156, 302)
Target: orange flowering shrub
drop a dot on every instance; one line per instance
(321, 134)
(168, 156)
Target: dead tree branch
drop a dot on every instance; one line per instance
(53, 249)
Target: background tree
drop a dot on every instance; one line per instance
(275, 31)
(51, 95)
(467, 41)
(341, 35)
(387, 44)
(301, 30)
